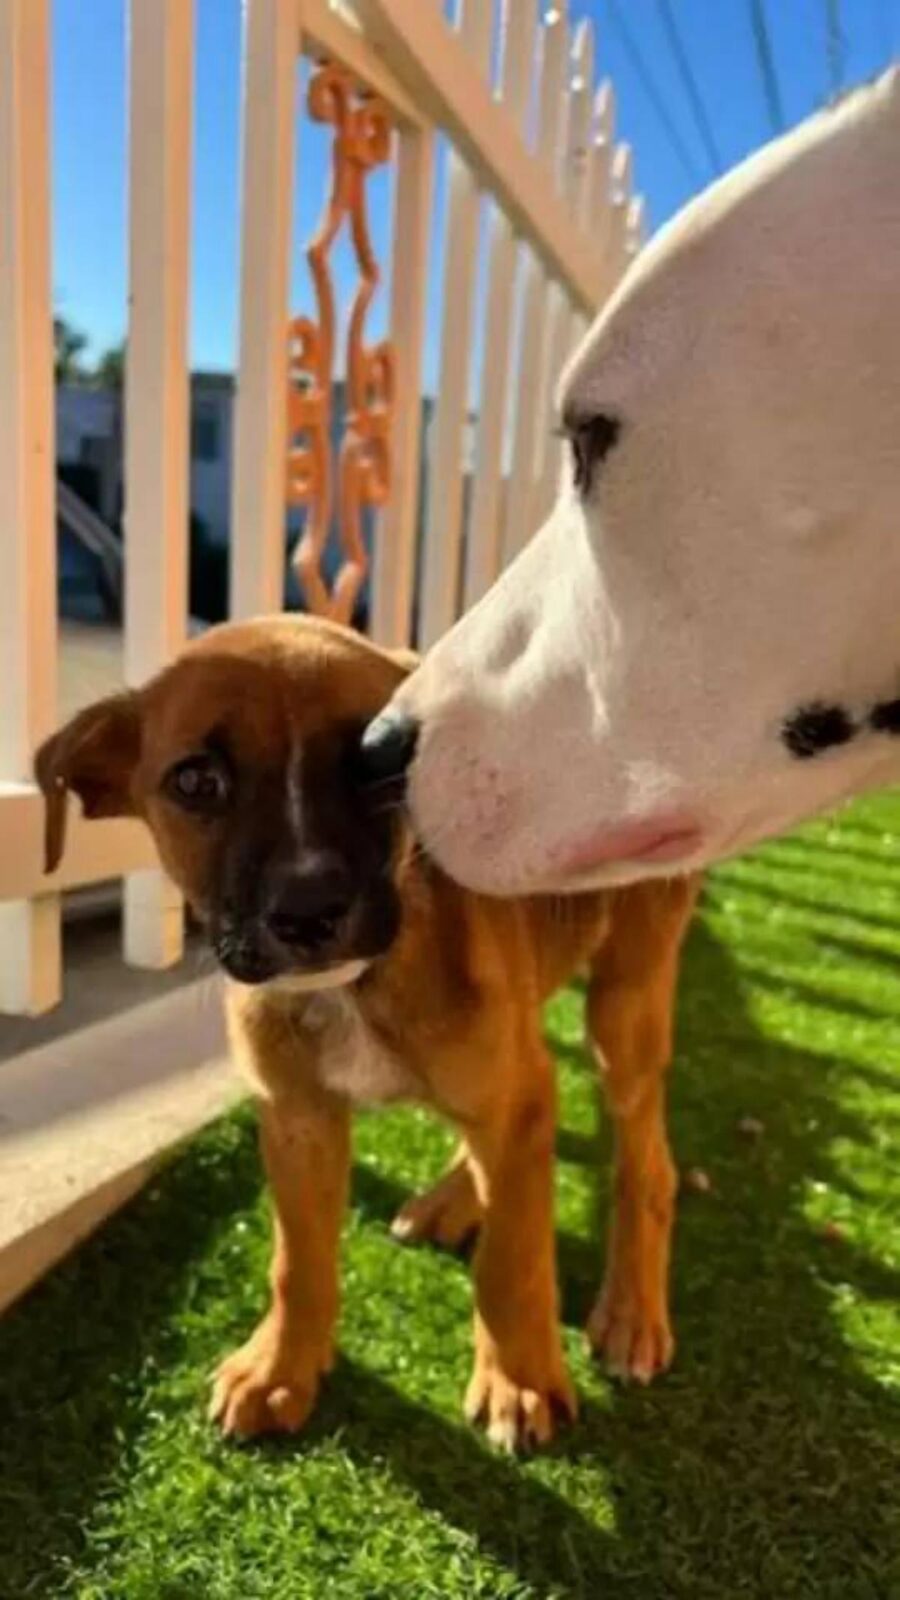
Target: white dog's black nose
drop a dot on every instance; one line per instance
(388, 746)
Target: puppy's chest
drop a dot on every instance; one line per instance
(351, 1058)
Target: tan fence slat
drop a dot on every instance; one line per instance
(443, 513)
(394, 561)
(433, 64)
(30, 975)
(519, 22)
(562, 332)
(157, 398)
(519, 511)
(258, 493)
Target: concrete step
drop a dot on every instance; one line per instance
(86, 1117)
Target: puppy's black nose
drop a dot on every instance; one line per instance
(388, 746)
(310, 901)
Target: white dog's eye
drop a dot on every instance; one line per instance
(591, 439)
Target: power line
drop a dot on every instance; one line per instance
(766, 63)
(676, 45)
(652, 91)
(834, 46)
(886, 28)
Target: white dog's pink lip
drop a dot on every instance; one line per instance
(655, 840)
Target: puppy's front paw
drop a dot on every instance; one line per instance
(266, 1386)
(631, 1333)
(519, 1415)
(446, 1215)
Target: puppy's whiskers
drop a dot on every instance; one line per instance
(388, 808)
(378, 785)
(204, 963)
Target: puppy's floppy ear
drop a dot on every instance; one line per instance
(95, 756)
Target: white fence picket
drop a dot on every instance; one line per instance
(519, 27)
(600, 166)
(589, 130)
(519, 508)
(616, 219)
(619, 203)
(636, 227)
(157, 398)
(271, 45)
(562, 335)
(443, 524)
(30, 973)
(394, 563)
(581, 89)
(434, 66)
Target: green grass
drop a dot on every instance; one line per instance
(766, 1464)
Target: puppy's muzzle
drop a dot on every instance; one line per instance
(310, 904)
(302, 924)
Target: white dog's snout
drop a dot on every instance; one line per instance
(736, 555)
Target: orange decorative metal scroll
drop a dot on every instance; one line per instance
(362, 141)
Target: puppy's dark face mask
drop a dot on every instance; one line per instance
(245, 766)
(292, 856)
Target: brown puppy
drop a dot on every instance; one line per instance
(358, 972)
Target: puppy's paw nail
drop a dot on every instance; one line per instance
(538, 1423)
(619, 1370)
(697, 1181)
(216, 1403)
(502, 1435)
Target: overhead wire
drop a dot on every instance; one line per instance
(885, 25)
(835, 46)
(689, 83)
(653, 92)
(765, 59)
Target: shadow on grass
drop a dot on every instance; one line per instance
(790, 886)
(73, 1354)
(767, 1464)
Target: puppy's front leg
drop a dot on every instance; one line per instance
(520, 1377)
(631, 1002)
(270, 1383)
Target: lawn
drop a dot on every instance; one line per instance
(766, 1464)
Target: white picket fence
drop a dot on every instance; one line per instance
(534, 178)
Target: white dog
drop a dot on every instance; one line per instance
(702, 644)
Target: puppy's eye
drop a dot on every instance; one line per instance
(200, 783)
(591, 439)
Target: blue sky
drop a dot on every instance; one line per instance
(633, 47)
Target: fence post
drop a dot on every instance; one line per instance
(519, 513)
(620, 202)
(443, 525)
(157, 399)
(258, 499)
(562, 324)
(617, 218)
(30, 966)
(599, 199)
(483, 546)
(636, 228)
(394, 559)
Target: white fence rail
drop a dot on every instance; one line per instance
(29, 927)
(539, 213)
